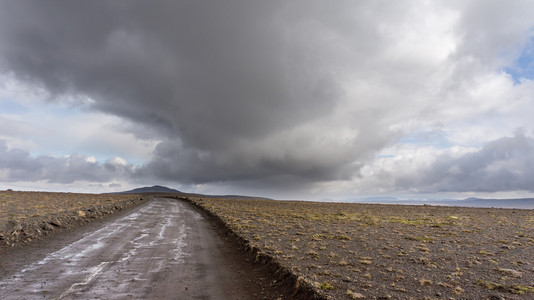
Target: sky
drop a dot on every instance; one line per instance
(285, 99)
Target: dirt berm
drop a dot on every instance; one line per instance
(22, 228)
(285, 279)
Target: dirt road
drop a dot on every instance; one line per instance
(164, 249)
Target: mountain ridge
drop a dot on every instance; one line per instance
(522, 203)
(151, 189)
(164, 189)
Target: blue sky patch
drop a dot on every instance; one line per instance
(11, 107)
(427, 138)
(523, 67)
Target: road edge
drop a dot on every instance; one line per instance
(287, 280)
(18, 234)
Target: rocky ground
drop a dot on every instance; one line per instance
(161, 249)
(365, 251)
(27, 216)
(333, 250)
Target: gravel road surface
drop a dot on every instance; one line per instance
(163, 249)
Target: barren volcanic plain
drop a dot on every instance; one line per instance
(374, 251)
(26, 216)
(337, 250)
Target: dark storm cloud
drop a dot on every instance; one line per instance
(19, 165)
(205, 71)
(204, 75)
(192, 166)
(273, 92)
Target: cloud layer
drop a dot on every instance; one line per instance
(287, 95)
(19, 165)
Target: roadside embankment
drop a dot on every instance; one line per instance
(373, 251)
(27, 216)
(286, 280)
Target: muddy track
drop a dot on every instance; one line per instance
(162, 249)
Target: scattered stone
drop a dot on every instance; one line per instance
(425, 261)
(47, 227)
(355, 295)
(14, 226)
(425, 282)
(458, 290)
(510, 272)
(23, 229)
(55, 222)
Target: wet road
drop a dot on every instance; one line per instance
(165, 249)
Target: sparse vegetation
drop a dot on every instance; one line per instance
(360, 251)
(29, 215)
(326, 286)
(514, 289)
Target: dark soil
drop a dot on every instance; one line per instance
(27, 216)
(16, 255)
(308, 250)
(215, 255)
(352, 251)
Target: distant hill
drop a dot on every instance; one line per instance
(164, 189)
(524, 203)
(152, 189)
(500, 203)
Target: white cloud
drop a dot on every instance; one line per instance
(59, 128)
(301, 97)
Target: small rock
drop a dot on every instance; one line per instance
(510, 272)
(81, 214)
(458, 290)
(425, 282)
(47, 227)
(355, 295)
(14, 226)
(55, 222)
